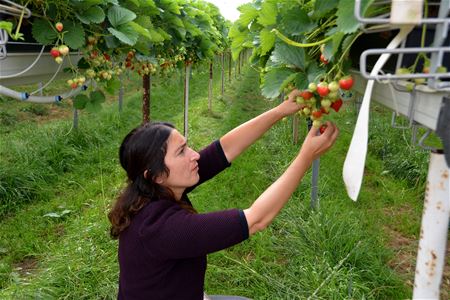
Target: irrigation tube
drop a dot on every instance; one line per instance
(356, 156)
(40, 99)
(433, 232)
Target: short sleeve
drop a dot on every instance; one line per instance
(212, 161)
(181, 234)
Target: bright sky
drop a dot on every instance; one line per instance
(228, 8)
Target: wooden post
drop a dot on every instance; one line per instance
(146, 99)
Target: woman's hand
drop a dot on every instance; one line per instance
(289, 106)
(315, 145)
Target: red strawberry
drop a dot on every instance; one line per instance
(59, 26)
(346, 83)
(322, 89)
(317, 114)
(325, 110)
(55, 52)
(306, 94)
(74, 85)
(322, 129)
(323, 59)
(106, 56)
(336, 105)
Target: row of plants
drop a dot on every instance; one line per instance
(146, 37)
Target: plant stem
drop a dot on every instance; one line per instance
(296, 44)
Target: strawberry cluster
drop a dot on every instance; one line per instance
(319, 99)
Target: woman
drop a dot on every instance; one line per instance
(163, 241)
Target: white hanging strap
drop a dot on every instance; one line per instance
(356, 156)
(13, 9)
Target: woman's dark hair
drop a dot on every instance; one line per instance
(143, 149)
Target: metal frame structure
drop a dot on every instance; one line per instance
(427, 105)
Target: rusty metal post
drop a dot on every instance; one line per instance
(434, 229)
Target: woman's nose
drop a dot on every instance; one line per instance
(195, 155)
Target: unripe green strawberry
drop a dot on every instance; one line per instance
(312, 87)
(59, 59)
(333, 86)
(317, 123)
(299, 100)
(325, 103)
(63, 49)
(306, 111)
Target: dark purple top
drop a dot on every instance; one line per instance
(162, 254)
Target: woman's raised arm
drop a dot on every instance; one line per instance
(240, 138)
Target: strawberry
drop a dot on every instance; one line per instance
(106, 56)
(54, 52)
(306, 94)
(312, 87)
(322, 129)
(322, 89)
(336, 105)
(59, 26)
(317, 114)
(59, 59)
(333, 86)
(63, 49)
(346, 83)
(323, 59)
(74, 85)
(325, 110)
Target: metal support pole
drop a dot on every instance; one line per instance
(314, 178)
(210, 86)
(434, 229)
(121, 91)
(223, 72)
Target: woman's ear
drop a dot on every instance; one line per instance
(158, 179)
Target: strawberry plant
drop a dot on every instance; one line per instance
(147, 37)
(303, 45)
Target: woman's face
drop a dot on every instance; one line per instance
(182, 164)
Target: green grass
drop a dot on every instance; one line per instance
(339, 250)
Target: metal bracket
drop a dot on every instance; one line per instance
(410, 116)
(443, 127)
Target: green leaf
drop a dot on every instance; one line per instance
(156, 36)
(112, 86)
(93, 14)
(267, 40)
(74, 37)
(296, 22)
(6, 26)
(248, 14)
(118, 15)
(290, 55)
(93, 107)
(346, 20)
(314, 72)
(301, 80)
(43, 32)
(141, 30)
(323, 7)
(97, 96)
(80, 100)
(268, 13)
(273, 81)
(125, 33)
